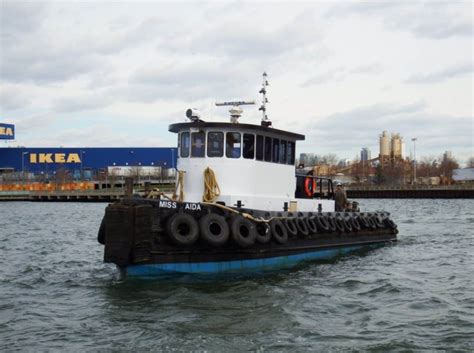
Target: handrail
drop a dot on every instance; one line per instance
(330, 187)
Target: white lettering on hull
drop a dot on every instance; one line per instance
(187, 205)
(167, 204)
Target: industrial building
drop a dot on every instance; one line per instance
(85, 162)
(391, 147)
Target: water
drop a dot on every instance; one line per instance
(55, 292)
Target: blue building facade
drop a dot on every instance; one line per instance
(76, 160)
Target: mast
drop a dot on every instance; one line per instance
(263, 107)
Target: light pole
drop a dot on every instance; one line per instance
(23, 154)
(82, 169)
(414, 159)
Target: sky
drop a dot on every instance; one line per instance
(118, 73)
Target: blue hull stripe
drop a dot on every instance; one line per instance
(238, 266)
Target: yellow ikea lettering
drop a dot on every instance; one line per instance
(73, 158)
(45, 158)
(60, 157)
(6, 131)
(54, 158)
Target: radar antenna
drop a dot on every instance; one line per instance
(236, 111)
(263, 107)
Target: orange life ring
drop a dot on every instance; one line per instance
(309, 186)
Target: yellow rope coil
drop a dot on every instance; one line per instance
(179, 185)
(211, 188)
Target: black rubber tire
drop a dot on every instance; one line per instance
(302, 227)
(290, 226)
(378, 222)
(214, 229)
(347, 225)
(264, 232)
(182, 229)
(371, 222)
(390, 224)
(322, 223)
(311, 224)
(355, 224)
(363, 221)
(101, 233)
(339, 225)
(279, 231)
(242, 231)
(332, 223)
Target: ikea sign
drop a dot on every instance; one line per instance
(7, 131)
(45, 158)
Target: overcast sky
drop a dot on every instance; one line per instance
(116, 74)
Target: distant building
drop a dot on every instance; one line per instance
(76, 161)
(391, 147)
(396, 146)
(344, 163)
(365, 154)
(303, 158)
(463, 175)
(384, 144)
(308, 159)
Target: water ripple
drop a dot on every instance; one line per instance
(56, 294)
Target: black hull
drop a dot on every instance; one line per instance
(137, 240)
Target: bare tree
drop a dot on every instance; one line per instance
(329, 159)
(446, 166)
(470, 162)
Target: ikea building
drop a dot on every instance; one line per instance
(87, 161)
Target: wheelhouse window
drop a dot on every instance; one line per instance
(248, 146)
(283, 152)
(290, 153)
(259, 148)
(215, 144)
(184, 144)
(268, 149)
(276, 151)
(198, 144)
(232, 145)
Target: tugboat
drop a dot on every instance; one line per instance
(239, 207)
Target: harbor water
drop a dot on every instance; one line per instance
(417, 294)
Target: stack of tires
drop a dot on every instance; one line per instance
(216, 230)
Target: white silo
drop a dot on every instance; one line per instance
(396, 145)
(384, 141)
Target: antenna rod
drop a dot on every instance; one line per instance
(221, 104)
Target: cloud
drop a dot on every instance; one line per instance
(191, 78)
(68, 66)
(40, 47)
(425, 19)
(84, 102)
(341, 73)
(350, 130)
(442, 75)
(12, 98)
(19, 18)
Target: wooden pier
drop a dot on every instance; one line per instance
(103, 195)
(411, 192)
